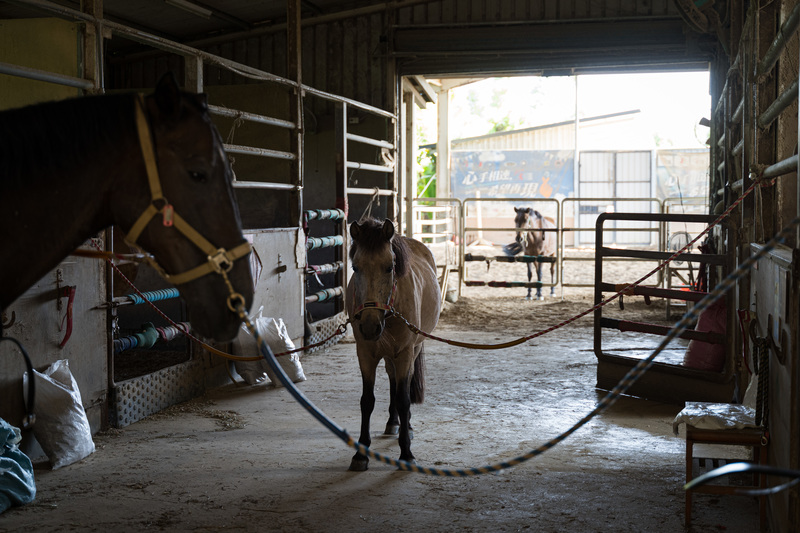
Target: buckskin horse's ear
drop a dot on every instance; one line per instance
(355, 230)
(168, 95)
(388, 229)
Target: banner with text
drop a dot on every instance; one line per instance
(512, 173)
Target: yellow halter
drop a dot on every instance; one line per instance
(220, 261)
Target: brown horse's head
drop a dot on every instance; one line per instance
(526, 220)
(195, 176)
(377, 259)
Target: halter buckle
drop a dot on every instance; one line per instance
(220, 261)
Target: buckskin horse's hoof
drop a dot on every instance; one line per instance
(359, 464)
(411, 461)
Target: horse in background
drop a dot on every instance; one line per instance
(390, 272)
(531, 240)
(153, 166)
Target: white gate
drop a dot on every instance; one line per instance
(612, 178)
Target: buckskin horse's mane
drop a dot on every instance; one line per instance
(371, 238)
(55, 137)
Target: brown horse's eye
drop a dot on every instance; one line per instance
(355, 270)
(199, 177)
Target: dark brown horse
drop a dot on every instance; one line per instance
(390, 272)
(531, 240)
(74, 167)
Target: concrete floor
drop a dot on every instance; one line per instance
(248, 458)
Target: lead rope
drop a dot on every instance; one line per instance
(629, 379)
(761, 367)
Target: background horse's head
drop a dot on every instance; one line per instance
(526, 220)
(196, 180)
(377, 259)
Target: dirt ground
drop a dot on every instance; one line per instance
(248, 458)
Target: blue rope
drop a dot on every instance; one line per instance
(629, 379)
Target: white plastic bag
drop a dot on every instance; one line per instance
(61, 427)
(251, 371)
(277, 338)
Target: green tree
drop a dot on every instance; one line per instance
(426, 182)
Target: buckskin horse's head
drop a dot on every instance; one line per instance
(378, 260)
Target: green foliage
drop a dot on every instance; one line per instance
(426, 182)
(504, 124)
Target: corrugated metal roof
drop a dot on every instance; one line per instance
(545, 135)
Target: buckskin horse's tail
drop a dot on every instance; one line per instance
(418, 379)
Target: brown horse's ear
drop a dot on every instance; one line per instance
(355, 230)
(388, 229)
(168, 95)
(201, 101)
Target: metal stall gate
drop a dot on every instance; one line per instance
(365, 176)
(669, 379)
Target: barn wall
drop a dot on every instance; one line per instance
(48, 44)
(770, 287)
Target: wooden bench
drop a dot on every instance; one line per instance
(751, 437)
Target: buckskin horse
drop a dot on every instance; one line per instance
(391, 273)
(154, 166)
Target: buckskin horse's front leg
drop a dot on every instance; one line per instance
(403, 402)
(530, 277)
(360, 462)
(393, 424)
